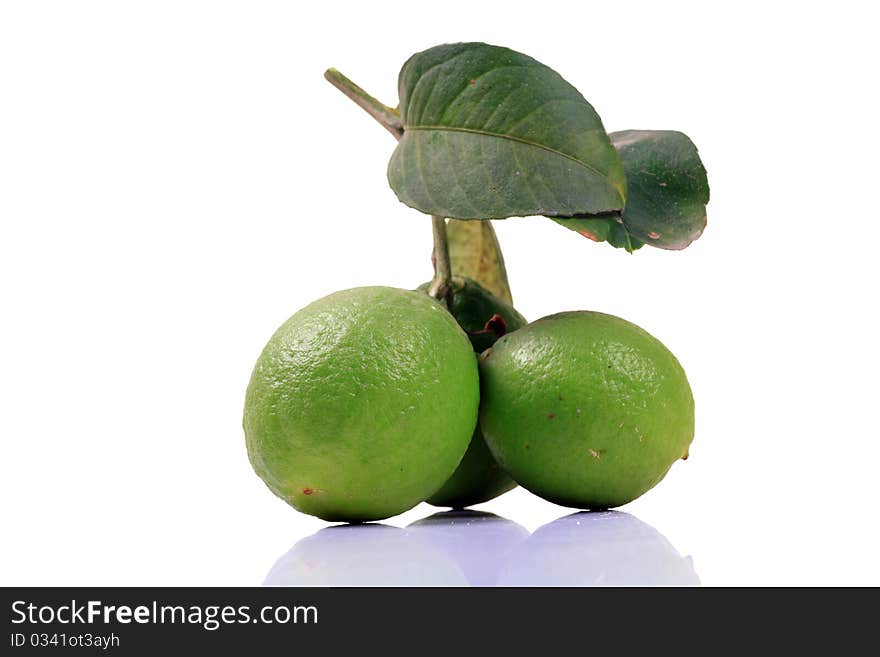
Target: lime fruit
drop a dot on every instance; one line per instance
(484, 317)
(362, 404)
(477, 479)
(585, 409)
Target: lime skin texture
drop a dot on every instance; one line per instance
(477, 479)
(362, 404)
(484, 317)
(585, 409)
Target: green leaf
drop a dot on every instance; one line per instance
(602, 229)
(474, 253)
(668, 188)
(667, 192)
(490, 133)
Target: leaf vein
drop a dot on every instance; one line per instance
(520, 140)
(473, 81)
(454, 169)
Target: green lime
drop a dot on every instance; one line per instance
(484, 317)
(477, 479)
(585, 409)
(362, 404)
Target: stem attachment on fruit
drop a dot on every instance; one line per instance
(441, 286)
(387, 116)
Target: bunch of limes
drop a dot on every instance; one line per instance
(371, 400)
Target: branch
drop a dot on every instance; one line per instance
(387, 116)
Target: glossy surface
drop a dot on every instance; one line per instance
(585, 409)
(609, 548)
(362, 404)
(364, 555)
(476, 541)
(481, 549)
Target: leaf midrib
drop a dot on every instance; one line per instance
(513, 138)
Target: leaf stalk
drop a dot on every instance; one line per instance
(387, 116)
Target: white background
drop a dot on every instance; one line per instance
(176, 179)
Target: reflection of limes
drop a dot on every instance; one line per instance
(585, 409)
(365, 555)
(478, 542)
(485, 318)
(362, 404)
(609, 548)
